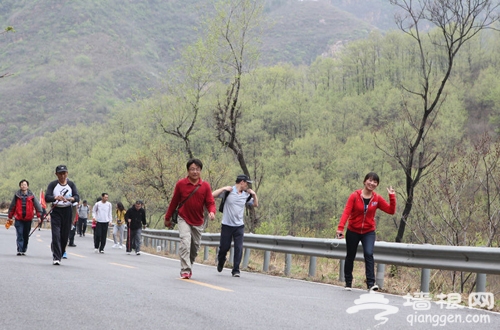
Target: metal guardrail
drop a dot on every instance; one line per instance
(458, 258)
(481, 260)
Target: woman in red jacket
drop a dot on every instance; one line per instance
(23, 207)
(359, 212)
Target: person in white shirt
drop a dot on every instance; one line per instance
(102, 214)
(235, 199)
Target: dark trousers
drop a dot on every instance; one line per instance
(23, 229)
(134, 240)
(81, 226)
(60, 222)
(72, 234)
(100, 235)
(367, 240)
(228, 234)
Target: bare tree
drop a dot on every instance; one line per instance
(456, 22)
(177, 111)
(236, 30)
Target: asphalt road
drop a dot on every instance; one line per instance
(118, 291)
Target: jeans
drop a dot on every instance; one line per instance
(368, 242)
(135, 240)
(228, 234)
(23, 229)
(118, 230)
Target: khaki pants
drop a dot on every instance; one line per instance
(190, 243)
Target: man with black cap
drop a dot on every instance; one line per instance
(234, 200)
(136, 219)
(62, 193)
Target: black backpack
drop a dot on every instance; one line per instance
(223, 201)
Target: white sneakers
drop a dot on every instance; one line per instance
(96, 250)
(115, 246)
(121, 246)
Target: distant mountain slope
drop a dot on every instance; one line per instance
(303, 30)
(379, 13)
(73, 60)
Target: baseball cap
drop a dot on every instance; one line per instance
(243, 177)
(61, 168)
(139, 202)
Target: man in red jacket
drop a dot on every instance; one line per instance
(359, 212)
(22, 208)
(190, 219)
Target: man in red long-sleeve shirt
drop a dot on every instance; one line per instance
(190, 220)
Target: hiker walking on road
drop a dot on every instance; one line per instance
(102, 213)
(193, 194)
(62, 193)
(359, 212)
(22, 209)
(83, 215)
(136, 219)
(119, 226)
(234, 200)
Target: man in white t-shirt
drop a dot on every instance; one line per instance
(102, 214)
(235, 199)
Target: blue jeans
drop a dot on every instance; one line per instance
(367, 240)
(134, 241)
(22, 234)
(228, 234)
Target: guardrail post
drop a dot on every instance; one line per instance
(312, 266)
(246, 258)
(480, 282)
(380, 275)
(177, 248)
(425, 279)
(288, 264)
(267, 258)
(341, 270)
(231, 255)
(205, 253)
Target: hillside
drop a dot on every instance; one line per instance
(73, 60)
